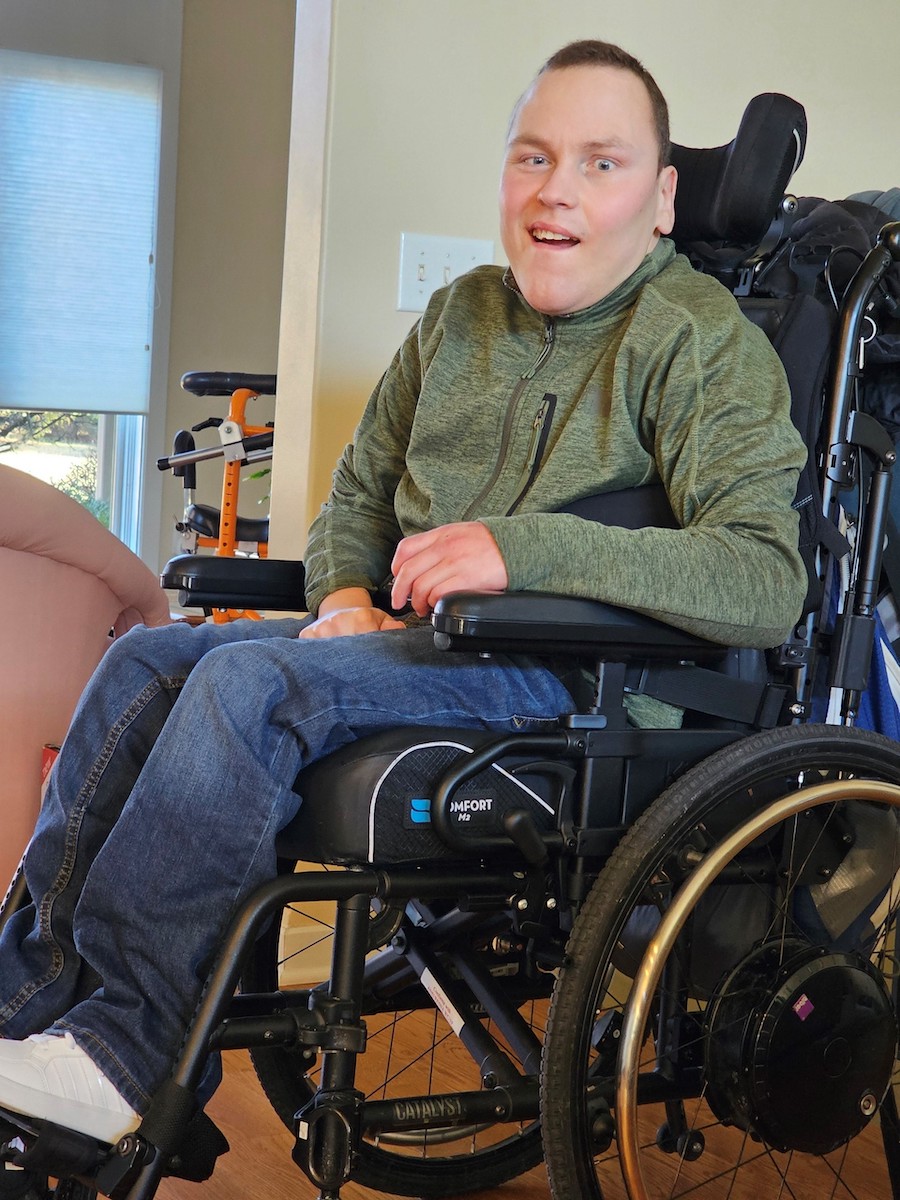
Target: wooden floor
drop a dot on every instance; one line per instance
(259, 1165)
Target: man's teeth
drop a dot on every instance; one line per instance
(545, 235)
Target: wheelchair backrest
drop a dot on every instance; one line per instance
(733, 220)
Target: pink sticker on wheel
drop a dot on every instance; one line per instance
(803, 1007)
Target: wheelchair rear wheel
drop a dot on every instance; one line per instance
(411, 1050)
(768, 1064)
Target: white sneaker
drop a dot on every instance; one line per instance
(51, 1077)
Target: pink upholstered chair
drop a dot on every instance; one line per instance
(65, 583)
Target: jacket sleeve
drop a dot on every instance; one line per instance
(716, 413)
(352, 540)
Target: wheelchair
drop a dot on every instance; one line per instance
(664, 959)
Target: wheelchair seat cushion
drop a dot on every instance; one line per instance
(206, 520)
(370, 802)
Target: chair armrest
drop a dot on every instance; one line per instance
(541, 623)
(206, 581)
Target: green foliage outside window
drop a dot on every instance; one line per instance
(19, 428)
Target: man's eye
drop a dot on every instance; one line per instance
(603, 164)
(535, 160)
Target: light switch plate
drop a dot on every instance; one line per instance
(428, 262)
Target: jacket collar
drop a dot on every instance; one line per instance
(619, 298)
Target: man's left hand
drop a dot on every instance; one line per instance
(452, 558)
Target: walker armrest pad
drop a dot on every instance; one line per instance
(205, 581)
(538, 622)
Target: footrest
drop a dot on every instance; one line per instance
(50, 1149)
(209, 582)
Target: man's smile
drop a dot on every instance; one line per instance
(553, 236)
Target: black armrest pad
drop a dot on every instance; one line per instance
(537, 622)
(205, 581)
(223, 383)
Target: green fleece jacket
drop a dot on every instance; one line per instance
(664, 379)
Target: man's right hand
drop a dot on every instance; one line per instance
(348, 612)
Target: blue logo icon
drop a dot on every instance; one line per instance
(420, 810)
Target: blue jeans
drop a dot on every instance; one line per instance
(163, 808)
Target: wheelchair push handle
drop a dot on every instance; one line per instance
(847, 366)
(183, 444)
(889, 238)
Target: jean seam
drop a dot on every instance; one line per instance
(437, 716)
(44, 908)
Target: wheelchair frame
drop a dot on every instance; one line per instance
(538, 886)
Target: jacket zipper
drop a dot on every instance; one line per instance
(540, 433)
(525, 377)
(549, 335)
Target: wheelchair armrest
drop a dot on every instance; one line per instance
(206, 581)
(541, 623)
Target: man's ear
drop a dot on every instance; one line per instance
(665, 208)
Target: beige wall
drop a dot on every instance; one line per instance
(229, 217)
(420, 94)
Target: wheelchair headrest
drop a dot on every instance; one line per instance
(731, 194)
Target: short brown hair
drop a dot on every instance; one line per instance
(590, 53)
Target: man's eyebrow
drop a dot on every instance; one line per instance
(599, 146)
(611, 143)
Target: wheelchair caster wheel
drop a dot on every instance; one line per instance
(688, 1145)
(691, 1145)
(603, 1130)
(665, 1141)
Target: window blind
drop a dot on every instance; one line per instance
(79, 170)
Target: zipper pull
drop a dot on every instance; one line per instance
(540, 433)
(549, 333)
(536, 426)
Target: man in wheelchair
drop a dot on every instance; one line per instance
(599, 362)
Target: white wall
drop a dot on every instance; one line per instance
(420, 95)
(234, 130)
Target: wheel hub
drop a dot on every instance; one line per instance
(800, 1046)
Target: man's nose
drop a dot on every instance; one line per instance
(560, 187)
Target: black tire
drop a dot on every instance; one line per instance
(439, 1163)
(754, 929)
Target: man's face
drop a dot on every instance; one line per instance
(582, 198)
